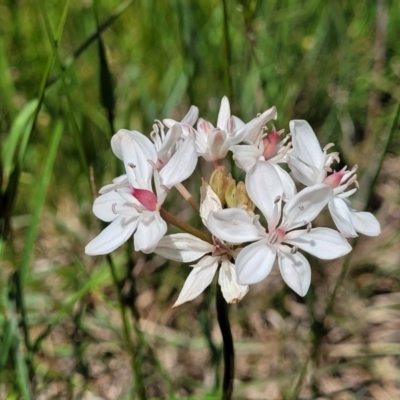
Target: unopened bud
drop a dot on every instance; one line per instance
(237, 197)
(219, 183)
(230, 192)
(242, 198)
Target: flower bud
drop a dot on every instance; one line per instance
(230, 192)
(219, 183)
(236, 195)
(242, 198)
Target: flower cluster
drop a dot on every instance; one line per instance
(288, 180)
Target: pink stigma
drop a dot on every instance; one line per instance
(146, 198)
(270, 142)
(334, 179)
(277, 236)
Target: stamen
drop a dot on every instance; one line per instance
(273, 238)
(131, 165)
(277, 199)
(301, 208)
(165, 188)
(113, 208)
(137, 207)
(309, 226)
(294, 249)
(328, 146)
(152, 163)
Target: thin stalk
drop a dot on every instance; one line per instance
(228, 350)
(135, 364)
(228, 53)
(187, 196)
(166, 216)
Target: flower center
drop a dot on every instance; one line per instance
(277, 236)
(219, 248)
(334, 179)
(146, 198)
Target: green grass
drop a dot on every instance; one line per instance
(71, 74)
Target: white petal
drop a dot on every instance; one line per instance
(149, 232)
(137, 149)
(302, 172)
(224, 113)
(251, 131)
(323, 243)
(289, 188)
(103, 205)
(305, 144)
(231, 290)
(295, 271)
(168, 145)
(365, 223)
(191, 117)
(199, 278)
(235, 225)
(306, 205)
(238, 122)
(245, 155)
(209, 201)
(181, 165)
(265, 189)
(340, 214)
(121, 181)
(117, 233)
(254, 262)
(182, 247)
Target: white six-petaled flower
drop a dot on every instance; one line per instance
(129, 203)
(184, 247)
(311, 165)
(283, 239)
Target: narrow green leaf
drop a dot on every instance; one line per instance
(6, 85)
(106, 85)
(39, 198)
(21, 372)
(19, 133)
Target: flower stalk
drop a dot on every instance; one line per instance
(168, 217)
(228, 349)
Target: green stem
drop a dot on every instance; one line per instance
(166, 216)
(228, 350)
(228, 54)
(135, 363)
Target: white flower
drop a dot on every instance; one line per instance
(266, 148)
(310, 165)
(184, 247)
(213, 143)
(256, 260)
(129, 203)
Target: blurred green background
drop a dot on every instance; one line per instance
(72, 74)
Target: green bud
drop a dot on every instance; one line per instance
(218, 183)
(230, 192)
(242, 198)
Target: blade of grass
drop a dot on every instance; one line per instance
(64, 86)
(11, 190)
(39, 198)
(92, 38)
(19, 134)
(6, 85)
(99, 276)
(22, 371)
